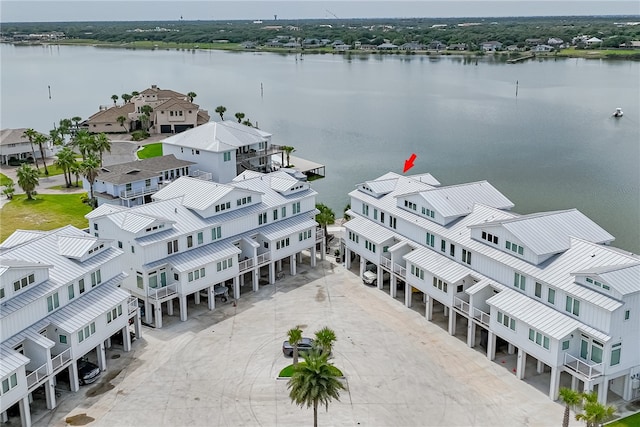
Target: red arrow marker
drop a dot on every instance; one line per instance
(408, 164)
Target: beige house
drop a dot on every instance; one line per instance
(172, 112)
(13, 144)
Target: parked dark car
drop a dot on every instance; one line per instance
(87, 372)
(305, 345)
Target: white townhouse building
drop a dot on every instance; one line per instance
(59, 301)
(546, 285)
(198, 235)
(224, 149)
(133, 183)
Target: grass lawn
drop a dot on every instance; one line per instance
(46, 212)
(150, 150)
(630, 421)
(4, 179)
(288, 371)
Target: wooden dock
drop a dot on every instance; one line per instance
(522, 58)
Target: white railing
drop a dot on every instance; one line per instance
(205, 176)
(36, 376)
(58, 361)
(385, 262)
(481, 316)
(461, 305)
(130, 194)
(245, 265)
(400, 270)
(133, 304)
(161, 293)
(262, 258)
(580, 366)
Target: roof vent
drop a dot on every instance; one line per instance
(175, 210)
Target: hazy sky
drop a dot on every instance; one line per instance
(169, 10)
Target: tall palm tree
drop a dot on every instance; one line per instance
(288, 150)
(295, 336)
(220, 109)
(325, 217)
(64, 128)
(135, 93)
(76, 170)
(595, 413)
(571, 399)
(28, 179)
(345, 215)
(65, 160)
(102, 144)
(84, 142)
(191, 96)
(324, 340)
(126, 97)
(115, 98)
(121, 120)
(247, 123)
(239, 116)
(76, 120)
(42, 139)
(146, 116)
(90, 168)
(55, 137)
(30, 134)
(314, 382)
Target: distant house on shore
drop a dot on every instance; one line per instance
(593, 41)
(15, 146)
(412, 46)
(491, 46)
(387, 46)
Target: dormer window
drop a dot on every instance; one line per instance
(490, 238)
(597, 283)
(24, 282)
(514, 248)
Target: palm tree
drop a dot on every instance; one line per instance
(121, 120)
(239, 116)
(220, 109)
(295, 336)
(102, 144)
(595, 413)
(345, 215)
(324, 340)
(8, 190)
(90, 168)
(64, 127)
(325, 217)
(41, 139)
(77, 120)
(146, 116)
(248, 123)
(65, 160)
(126, 97)
(115, 98)
(314, 382)
(28, 179)
(84, 142)
(135, 93)
(288, 149)
(191, 96)
(30, 134)
(571, 399)
(55, 137)
(76, 170)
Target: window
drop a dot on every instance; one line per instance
(551, 296)
(9, 383)
(506, 321)
(133, 249)
(1, 293)
(53, 302)
(443, 245)
(304, 235)
(392, 222)
(382, 217)
(81, 286)
(365, 209)
(428, 212)
(370, 246)
(114, 314)
(514, 248)
(200, 238)
(139, 281)
(519, 281)
(227, 156)
(417, 272)
(538, 338)
(95, 226)
(119, 244)
(452, 249)
(596, 352)
(296, 208)
(430, 239)
(565, 344)
(62, 339)
(71, 291)
(224, 264)
(24, 282)
(489, 237)
(86, 332)
(615, 354)
(572, 306)
(284, 212)
(375, 214)
(409, 205)
(275, 214)
(189, 241)
(627, 314)
(96, 278)
(438, 283)
(216, 232)
(262, 218)
(466, 256)
(538, 290)
(172, 246)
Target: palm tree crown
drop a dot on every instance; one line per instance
(220, 109)
(325, 338)
(191, 96)
(571, 399)
(27, 179)
(325, 217)
(90, 168)
(295, 336)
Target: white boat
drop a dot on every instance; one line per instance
(618, 113)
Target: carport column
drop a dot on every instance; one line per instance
(362, 265)
(491, 346)
(323, 248)
(347, 259)
(256, 279)
(126, 338)
(603, 388)
(183, 307)
(452, 322)
(588, 386)
(272, 273)
(236, 288)
(4, 417)
(25, 412)
(137, 325)
(407, 294)
(540, 367)
(471, 334)
(148, 311)
(158, 314)
(102, 356)
(73, 377)
(50, 393)
(211, 299)
(626, 391)
(292, 267)
(393, 286)
(554, 386)
(170, 307)
(574, 383)
(429, 308)
(196, 297)
(521, 364)
(511, 348)
(313, 255)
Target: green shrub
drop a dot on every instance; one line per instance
(139, 135)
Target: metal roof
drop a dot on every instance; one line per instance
(197, 194)
(483, 283)
(427, 178)
(285, 228)
(21, 236)
(458, 200)
(218, 136)
(32, 294)
(549, 232)
(134, 221)
(540, 316)
(593, 296)
(438, 265)
(77, 246)
(105, 209)
(196, 258)
(622, 278)
(11, 361)
(373, 232)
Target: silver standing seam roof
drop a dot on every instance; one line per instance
(441, 266)
(218, 136)
(374, 232)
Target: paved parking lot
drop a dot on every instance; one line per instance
(219, 368)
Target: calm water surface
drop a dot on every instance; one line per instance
(554, 146)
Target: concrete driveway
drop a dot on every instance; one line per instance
(220, 368)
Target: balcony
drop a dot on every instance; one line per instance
(461, 305)
(132, 194)
(481, 316)
(132, 304)
(319, 234)
(586, 369)
(400, 270)
(254, 154)
(385, 262)
(245, 265)
(59, 361)
(264, 258)
(164, 293)
(36, 377)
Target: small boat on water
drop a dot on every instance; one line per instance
(618, 113)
